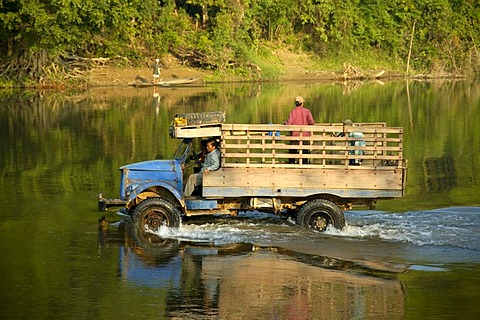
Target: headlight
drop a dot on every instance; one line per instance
(128, 190)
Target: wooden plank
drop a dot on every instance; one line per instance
(313, 138)
(310, 140)
(187, 132)
(278, 147)
(306, 166)
(275, 126)
(301, 178)
(235, 129)
(284, 181)
(250, 156)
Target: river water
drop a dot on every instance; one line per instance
(412, 258)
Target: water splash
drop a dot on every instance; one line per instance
(452, 227)
(248, 228)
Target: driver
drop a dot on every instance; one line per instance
(200, 157)
(211, 163)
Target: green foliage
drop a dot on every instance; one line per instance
(229, 32)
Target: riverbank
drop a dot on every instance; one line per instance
(283, 65)
(291, 66)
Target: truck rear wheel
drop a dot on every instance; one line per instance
(152, 213)
(318, 214)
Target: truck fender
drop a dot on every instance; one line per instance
(141, 188)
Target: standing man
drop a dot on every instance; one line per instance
(212, 163)
(299, 116)
(156, 71)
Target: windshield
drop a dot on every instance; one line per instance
(183, 150)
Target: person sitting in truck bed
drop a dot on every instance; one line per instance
(211, 163)
(353, 143)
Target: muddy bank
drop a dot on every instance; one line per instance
(124, 76)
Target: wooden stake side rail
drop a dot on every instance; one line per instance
(247, 145)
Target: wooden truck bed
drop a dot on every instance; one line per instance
(255, 161)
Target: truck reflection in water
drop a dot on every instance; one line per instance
(243, 281)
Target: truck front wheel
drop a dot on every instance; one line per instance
(152, 213)
(318, 214)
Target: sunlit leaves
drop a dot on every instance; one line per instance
(445, 33)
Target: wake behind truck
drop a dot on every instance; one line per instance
(313, 176)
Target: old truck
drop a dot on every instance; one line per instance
(309, 176)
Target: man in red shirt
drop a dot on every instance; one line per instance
(299, 116)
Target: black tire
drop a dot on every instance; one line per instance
(318, 214)
(152, 213)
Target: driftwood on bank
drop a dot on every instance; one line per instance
(191, 57)
(350, 72)
(431, 76)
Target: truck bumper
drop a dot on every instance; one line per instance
(105, 203)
